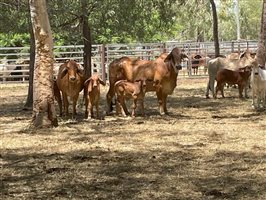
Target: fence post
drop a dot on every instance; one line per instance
(103, 62)
(232, 47)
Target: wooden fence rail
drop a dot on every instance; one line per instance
(14, 61)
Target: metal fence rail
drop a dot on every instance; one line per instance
(14, 61)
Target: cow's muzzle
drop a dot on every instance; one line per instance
(178, 67)
(72, 78)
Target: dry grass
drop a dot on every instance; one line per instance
(205, 149)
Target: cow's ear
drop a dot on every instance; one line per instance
(245, 54)
(170, 59)
(88, 83)
(80, 70)
(63, 72)
(101, 82)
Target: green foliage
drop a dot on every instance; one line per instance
(14, 40)
(123, 21)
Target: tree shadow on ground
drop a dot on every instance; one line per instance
(103, 174)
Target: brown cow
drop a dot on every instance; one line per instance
(92, 95)
(162, 71)
(70, 81)
(125, 89)
(196, 62)
(239, 77)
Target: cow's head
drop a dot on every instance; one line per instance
(175, 58)
(93, 82)
(72, 69)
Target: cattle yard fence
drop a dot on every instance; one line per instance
(14, 61)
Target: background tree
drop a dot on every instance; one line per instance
(261, 52)
(215, 29)
(43, 98)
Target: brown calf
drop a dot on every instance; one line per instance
(92, 95)
(124, 89)
(239, 77)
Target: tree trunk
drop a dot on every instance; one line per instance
(215, 29)
(44, 114)
(29, 102)
(86, 33)
(261, 52)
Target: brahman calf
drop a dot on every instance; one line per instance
(258, 84)
(134, 90)
(239, 77)
(92, 95)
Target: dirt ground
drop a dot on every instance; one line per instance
(204, 149)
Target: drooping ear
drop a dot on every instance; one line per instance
(245, 54)
(184, 57)
(80, 70)
(101, 82)
(170, 59)
(88, 83)
(63, 72)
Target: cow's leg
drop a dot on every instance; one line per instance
(240, 90)
(66, 104)
(222, 89)
(86, 107)
(246, 90)
(109, 96)
(161, 102)
(207, 90)
(253, 97)
(134, 106)
(75, 99)
(124, 106)
(164, 104)
(218, 87)
(120, 105)
(97, 110)
(212, 81)
(88, 110)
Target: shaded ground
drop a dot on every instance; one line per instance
(205, 149)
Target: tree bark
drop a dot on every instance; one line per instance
(44, 114)
(86, 33)
(261, 51)
(215, 29)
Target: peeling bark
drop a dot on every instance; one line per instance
(44, 114)
(261, 51)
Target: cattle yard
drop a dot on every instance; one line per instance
(14, 61)
(204, 149)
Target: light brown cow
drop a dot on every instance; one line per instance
(70, 80)
(162, 71)
(92, 95)
(125, 90)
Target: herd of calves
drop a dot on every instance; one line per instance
(70, 82)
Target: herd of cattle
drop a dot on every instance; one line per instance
(132, 78)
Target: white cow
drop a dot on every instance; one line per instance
(258, 82)
(5, 70)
